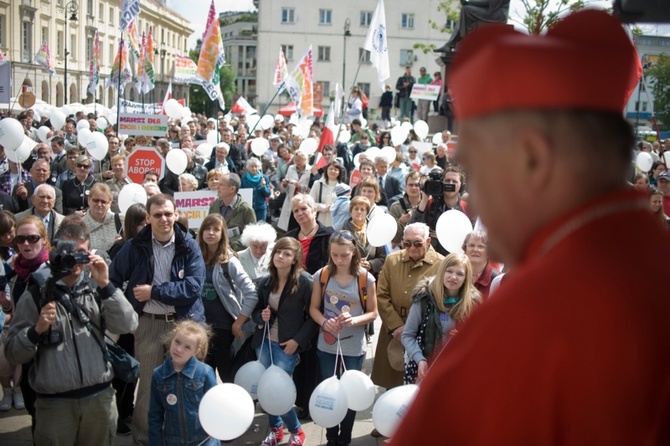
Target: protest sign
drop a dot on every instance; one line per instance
(195, 205)
(143, 124)
(427, 92)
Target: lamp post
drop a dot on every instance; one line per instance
(71, 7)
(347, 33)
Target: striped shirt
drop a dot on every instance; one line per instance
(163, 256)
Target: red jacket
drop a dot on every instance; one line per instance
(573, 350)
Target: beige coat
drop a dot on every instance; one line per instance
(396, 283)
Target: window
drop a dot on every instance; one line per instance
(365, 88)
(325, 88)
(288, 51)
(89, 48)
(366, 18)
(325, 16)
(26, 42)
(406, 58)
(101, 12)
(644, 106)
(59, 43)
(323, 54)
(60, 2)
(363, 55)
(407, 21)
(111, 16)
(111, 54)
(73, 46)
(288, 15)
(2, 30)
(45, 34)
(89, 8)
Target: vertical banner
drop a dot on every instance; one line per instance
(5, 81)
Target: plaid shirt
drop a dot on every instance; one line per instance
(6, 180)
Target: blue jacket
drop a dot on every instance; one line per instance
(134, 264)
(261, 193)
(175, 398)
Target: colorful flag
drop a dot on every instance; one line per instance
(133, 39)
(130, 9)
(168, 95)
(145, 72)
(120, 69)
(377, 44)
(184, 70)
(327, 134)
(43, 58)
(242, 107)
(281, 72)
(299, 85)
(94, 71)
(212, 57)
(2, 56)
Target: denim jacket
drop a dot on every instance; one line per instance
(175, 397)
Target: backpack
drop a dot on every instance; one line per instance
(362, 285)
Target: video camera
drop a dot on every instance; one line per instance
(64, 258)
(434, 186)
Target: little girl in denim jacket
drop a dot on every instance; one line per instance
(177, 387)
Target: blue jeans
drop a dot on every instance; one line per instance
(340, 434)
(287, 363)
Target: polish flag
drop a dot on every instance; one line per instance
(242, 107)
(168, 95)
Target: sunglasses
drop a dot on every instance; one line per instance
(416, 244)
(83, 166)
(344, 234)
(159, 215)
(32, 239)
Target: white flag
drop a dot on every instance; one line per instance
(377, 44)
(339, 94)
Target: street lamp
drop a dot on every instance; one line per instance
(71, 7)
(347, 33)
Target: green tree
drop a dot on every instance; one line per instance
(540, 15)
(450, 12)
(658, 76)
(200, 101)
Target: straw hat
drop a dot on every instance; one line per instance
(396, 354)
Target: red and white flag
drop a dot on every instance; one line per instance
(168, 95)
(242, 107)
(328, 134)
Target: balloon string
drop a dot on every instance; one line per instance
(337, 354)
(339, 351)
(260, 355)
(267, 330)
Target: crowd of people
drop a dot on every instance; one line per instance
(294, 270)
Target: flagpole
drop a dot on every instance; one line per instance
(118, 86)
(251, 132)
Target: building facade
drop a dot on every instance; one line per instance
(337, 34)
(69, 27)
(239, 32)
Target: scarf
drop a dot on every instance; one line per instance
(254, 179)
(23, 267)
(360, 232)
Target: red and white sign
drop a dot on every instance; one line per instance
(142, 160)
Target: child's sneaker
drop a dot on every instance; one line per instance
(297, 438)
(275, 437)
(6, 402)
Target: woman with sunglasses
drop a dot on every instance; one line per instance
(429, 163)
(32, 245)
(77, 190)
(385, 140)
(440, 303)
(342, 308)
(105, 226)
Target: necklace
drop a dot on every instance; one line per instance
(306, 234)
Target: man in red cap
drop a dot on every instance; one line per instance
(574, 348)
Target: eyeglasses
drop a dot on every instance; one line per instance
(83, 166)
(32, 239)
(159, 215)
(344, 234)
(412, 151)
(100, 201)
(474, 246)
(415, 243)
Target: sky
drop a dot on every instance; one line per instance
(195, 11)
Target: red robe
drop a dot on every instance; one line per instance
(574, 349)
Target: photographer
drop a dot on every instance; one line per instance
(58, 325)
(439, 197)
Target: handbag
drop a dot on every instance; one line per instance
(125, 366)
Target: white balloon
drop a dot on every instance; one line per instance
(359, 388)
(357, 159)
(389, 153)
(309, 146)
(421, 129)
(644, 161)
(399, 135)
(279, 118)
(328, 403)
(372, 153)
(276, 391)
(451, 228)
(83, 136)
(437, 138)
(259, 146)
(176, 161)
(186, 113)
(83, 124)
(23, 152)
(391, 407)
(267, 122)
(666, 157)
(204, 150)
(42, 133)
(131, 194)
(345, 136)
(97, 145)
(364, 122)
(212, 137)
(101, 123)
(173, 108)
(226, 411)
(57, 119)
(11, 134)
(407, 125)
(381, 229)
(36, 116)
(248, 377)
(253, 121)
